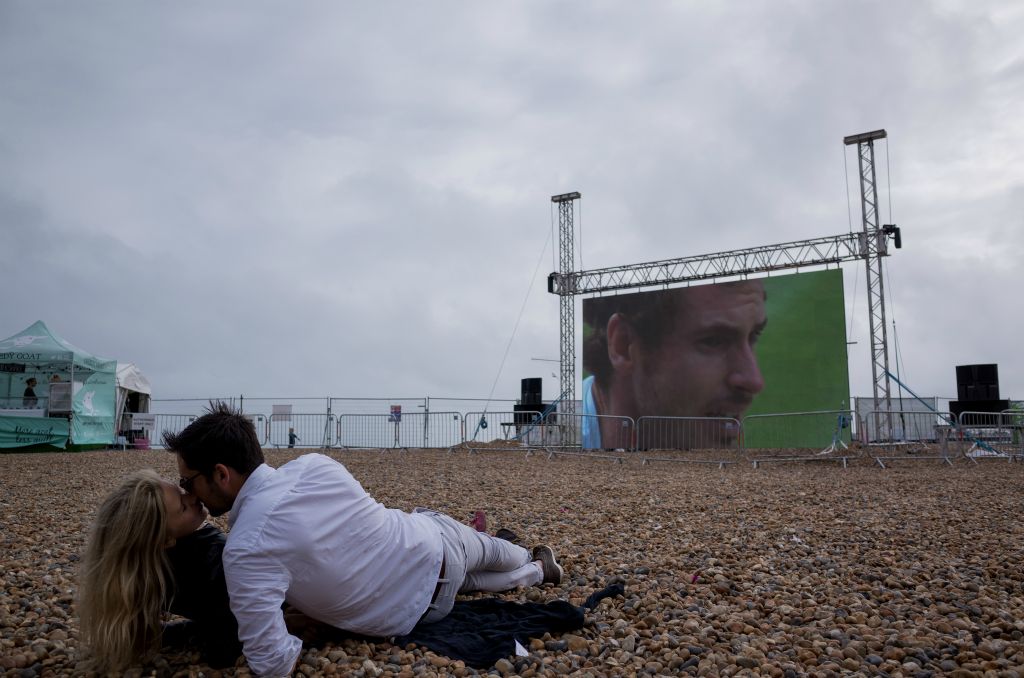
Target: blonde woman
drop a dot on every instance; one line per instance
(150, 552)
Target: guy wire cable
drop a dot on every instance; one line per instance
(892, 316)
(888, 179)
(515, 329)
(892, 303)
(856, 278)
(853, 306)
(551, 235)
(849, 207)
(580, 246)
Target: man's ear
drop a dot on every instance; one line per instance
(222, 476)
(620, 343)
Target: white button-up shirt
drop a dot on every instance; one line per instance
(309, 534)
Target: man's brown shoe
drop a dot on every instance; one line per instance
(552, 570)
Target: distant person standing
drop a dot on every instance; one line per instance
(29, 398)
(292, 437)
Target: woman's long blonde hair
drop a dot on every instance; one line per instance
(123, 582)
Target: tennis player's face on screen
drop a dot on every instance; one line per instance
(705, 366)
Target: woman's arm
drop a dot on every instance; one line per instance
(200, 595)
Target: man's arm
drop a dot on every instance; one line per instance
(257, 585)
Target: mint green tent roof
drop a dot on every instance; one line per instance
(40, 348)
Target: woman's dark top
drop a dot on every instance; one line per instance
(200, 594)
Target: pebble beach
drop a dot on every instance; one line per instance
(787, 569)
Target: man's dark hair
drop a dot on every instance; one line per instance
(650, 314)
(221, 436)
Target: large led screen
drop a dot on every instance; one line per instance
(668, 368)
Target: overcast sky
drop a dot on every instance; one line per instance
(307, 199)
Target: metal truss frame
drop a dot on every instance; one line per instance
(567, 310)
(871, 245)
(798, 254)
(873, 264)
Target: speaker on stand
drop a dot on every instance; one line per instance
(977, 390)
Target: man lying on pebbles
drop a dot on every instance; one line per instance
(309, 534)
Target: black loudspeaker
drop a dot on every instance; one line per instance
(531, 391)
(977, 382)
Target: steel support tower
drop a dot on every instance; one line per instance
(567, 311)
(870, 245)
(876, 249)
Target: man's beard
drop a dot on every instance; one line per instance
(220, 505)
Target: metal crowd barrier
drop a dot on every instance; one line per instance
(1015, 419)
(442, 429)
(720, 434)
(579, 430)
(906, 426)
(487, 427)
(574, 436)
(172, 423)
(826, 430)
(992, 434)
(176, 423)
(313, 430)
(687, 433)
(262, 426)
(988, 434)
(410, 430)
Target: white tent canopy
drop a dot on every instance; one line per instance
(131, 378)
(133, 393)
